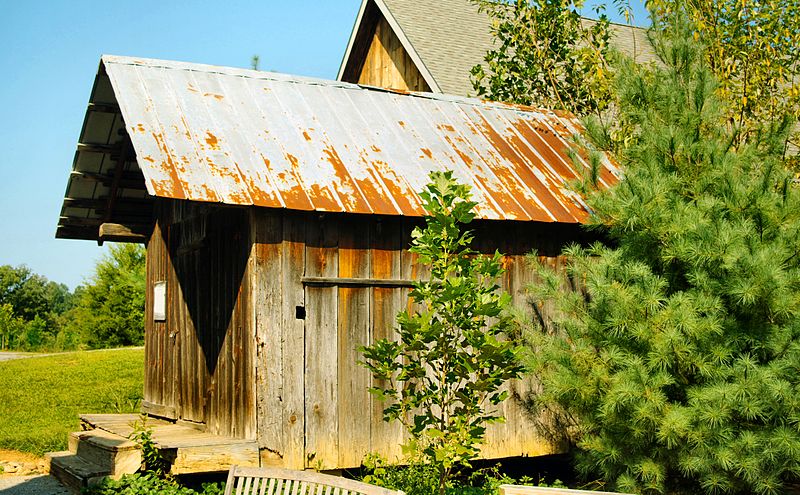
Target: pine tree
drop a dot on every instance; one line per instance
(678, 359)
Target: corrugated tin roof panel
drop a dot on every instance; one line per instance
(244, 137)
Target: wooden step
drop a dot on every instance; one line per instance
(74, 472)
(121, 424)
(113, 452)
(211, 458)
(187, 447)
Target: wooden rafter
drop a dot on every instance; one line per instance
(100, 148)
(104, 107)
(128, 180)
(102, 204)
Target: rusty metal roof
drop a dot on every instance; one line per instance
(246, 137)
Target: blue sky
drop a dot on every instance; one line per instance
(50, 54)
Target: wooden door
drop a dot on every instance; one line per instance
(321, 345)
(337, 323)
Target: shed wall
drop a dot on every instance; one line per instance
(313, 406)
(199, 362)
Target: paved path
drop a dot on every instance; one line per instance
(38, 484)
(8, 356)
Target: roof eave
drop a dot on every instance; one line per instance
(352, 40)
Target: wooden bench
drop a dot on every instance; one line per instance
(275, 481)
(539, 490)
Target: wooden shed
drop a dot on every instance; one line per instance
(277, 214)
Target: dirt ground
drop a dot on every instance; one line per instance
(13, 463)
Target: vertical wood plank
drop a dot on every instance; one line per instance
(172, 329)
(490, 237)
(183, 324)
(247, 337)
(156, 345)
(267, 286)
(386, 247)
(244, 364)
(519, 276)
(238, 360)
(293, 255)
(322, 442)
(193, 323)
(353, 332)
(410, 268)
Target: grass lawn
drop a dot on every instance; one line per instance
(41, 397)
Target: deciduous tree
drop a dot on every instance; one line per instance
(11, 327)
(109, 310)
(753, 49)
(545, 55)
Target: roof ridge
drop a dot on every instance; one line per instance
(311, 81)
(219, 69)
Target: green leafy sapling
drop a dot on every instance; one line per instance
(444, 374)
(152, 460)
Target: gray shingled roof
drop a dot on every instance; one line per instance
(451, 37)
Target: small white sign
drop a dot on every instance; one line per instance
(160, 301)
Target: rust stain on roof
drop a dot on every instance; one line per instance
(186, 128)
(307, 144)
(212, 141)
(169, 188)
(218, 97)
(291, 193)
(293, 160)
(397, 189)
(349, 192)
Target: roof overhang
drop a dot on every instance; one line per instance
(106, 196)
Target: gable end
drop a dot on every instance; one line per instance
(376, 56)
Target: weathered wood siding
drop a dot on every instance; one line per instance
(159, 342)
(200, 364)
(313, 406)
(387, 64)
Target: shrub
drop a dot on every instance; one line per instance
(150, 484)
